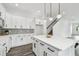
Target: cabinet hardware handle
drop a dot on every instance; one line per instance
(42, 44)
(34, 45)
(76, 45)
(4, 44)
(36, 41)
(31, 38)
(10, 37)
(44, 53)
(21, 38)
(50, 50)
(6, 49)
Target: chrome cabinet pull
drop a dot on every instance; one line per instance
(6, 49)
(4, 44)
(36, 41)
(34, 45)
(76, 45)
(11, 38)
(51, 50)
(44, 53)
(42, 44)
(21, 38)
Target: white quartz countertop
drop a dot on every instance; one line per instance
(58, 42)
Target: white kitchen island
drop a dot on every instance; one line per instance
(54, 46)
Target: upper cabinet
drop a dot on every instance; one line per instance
(18, 22)
(2, 12)
(23, 15)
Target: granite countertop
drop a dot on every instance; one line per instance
(58, 42)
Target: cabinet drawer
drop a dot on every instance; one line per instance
(52, 51)
(33, 38)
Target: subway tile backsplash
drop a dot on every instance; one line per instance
(21, 31)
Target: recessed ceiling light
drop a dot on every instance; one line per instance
(50, 18)
(16, 4)
(59, 16)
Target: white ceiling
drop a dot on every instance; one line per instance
(25, 9)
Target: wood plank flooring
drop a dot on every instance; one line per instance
(25, 50)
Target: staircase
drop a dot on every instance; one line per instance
(50, 26)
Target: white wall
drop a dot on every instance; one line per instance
(70, 13)
(25, 9)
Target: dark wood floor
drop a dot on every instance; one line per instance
(25, 50)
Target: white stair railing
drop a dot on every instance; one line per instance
(50, 26)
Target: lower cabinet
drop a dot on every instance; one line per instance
(35, 47)
(2, 51)
(10, 41)
(41, 48)
(14, 40)
(21, 39)
(38, 47)
(51, 51)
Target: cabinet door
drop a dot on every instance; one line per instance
(8, 21)
(51, 51)
(14, 41)
(25, 39)
(20, 40)
(35, 47)
(41, 49)
(2, 51)
(9, 43)
(3, 12)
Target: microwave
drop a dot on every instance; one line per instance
(75, 28)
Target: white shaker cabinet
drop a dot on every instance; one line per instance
(25, 39)
(21, 39)
(41, 48)
(3, 48)
(2, 51)
(35, 47)
(51, 51)
(8, 22)
(14, 40)
(9, 43)
(38, 47)
(2, 11)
